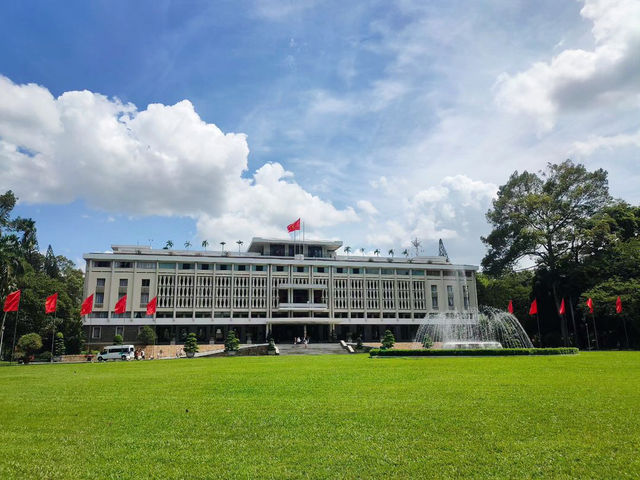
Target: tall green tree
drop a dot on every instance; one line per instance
(546, 217)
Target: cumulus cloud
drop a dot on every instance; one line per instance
(164, 160)
(579, 78)
(367, 207)
(593, 143)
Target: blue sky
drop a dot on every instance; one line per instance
(131, 122)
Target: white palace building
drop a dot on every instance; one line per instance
(277, 288)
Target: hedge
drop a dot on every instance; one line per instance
(491, 352)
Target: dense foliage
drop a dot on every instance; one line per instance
(388, 341)
(191, 343)
(28, 345)
(232, 343)
(479, 352)
(23, 267)
(583, 244)
(147, 336)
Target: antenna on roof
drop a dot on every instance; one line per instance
(442, 251)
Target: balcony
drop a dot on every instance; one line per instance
(305, 306)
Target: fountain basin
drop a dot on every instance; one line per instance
(470, 345)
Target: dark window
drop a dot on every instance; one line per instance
(450, 297)
(258, 268)
(241, 268)
(146, 282)
(203, 266)
(434, 297)
(99, 298)
(355, 271)
(277, 250)
(101, 264)
(186, 266)
(314, 251)
(339, 270)
(100, 282)
(222, 266)
(123, 264)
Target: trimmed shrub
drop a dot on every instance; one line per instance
(232, 343)
(117, 340)
(427, 342)
(388, 341)
(28, 345)
(494, 352)
(58, 346)
(272, 345)
(191, 343)
(147, 336)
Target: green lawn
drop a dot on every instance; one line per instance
(324, 417)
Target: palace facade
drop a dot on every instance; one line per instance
(277, 288)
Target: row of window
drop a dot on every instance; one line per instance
(276, 268)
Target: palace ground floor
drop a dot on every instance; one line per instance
(280, 332)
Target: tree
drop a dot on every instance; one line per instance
(51, 264)
(187, 244)
(191, 344)
(117, 340)
(239, 242)
(388, 341)
(416, 244)
(222, 244)
(168, 245)
(405, 252)
(59, 348)
(28, 345)
(362, 251)
(547, 217)
(544, 216)
(427, 342)
(376, 252)
(232, 343)
(147, 336)
(205, 244)
(347, 250)
(391, 252)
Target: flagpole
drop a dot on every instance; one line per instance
(586, 324)
(53, 335)
(595, 332)
(573, 320)
(4, 317)
(15, 331)
(539, 334)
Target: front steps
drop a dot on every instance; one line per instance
(312, 349)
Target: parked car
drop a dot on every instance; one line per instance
(116, 352)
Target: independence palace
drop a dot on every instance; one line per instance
(277, 288)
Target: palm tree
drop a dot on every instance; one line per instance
(187, 244)
(222, 244)
(362, 251)
(168, 245)
(347, 250)
(391, 252)
(376, 252)
(239, 242)
(405, 252)
(205, 244)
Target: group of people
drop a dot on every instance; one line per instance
(301, 341)
(139, 354)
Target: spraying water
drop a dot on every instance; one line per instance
(488, 328)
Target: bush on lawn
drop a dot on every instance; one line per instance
(388, 341)
(28, 345)
(191, 343)
(427, 342)
(378, 352)
(59, 347)
(117, 340)
(232, 343)
(147, 336)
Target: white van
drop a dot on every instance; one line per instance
(115, 352)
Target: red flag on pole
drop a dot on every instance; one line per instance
(121, 305)
(87, 305)
(51, 304)
(151, 306)
(292, 227)
(510, 306)
(562, 309)
(590, 305)
(534, 307)
(12, 302)
(618, 305)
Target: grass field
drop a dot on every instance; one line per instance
(324, 417)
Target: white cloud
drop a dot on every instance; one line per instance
(367, 207)
(595, 142)
(579, 78)
(164, 160)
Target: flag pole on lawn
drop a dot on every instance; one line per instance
(593, 319)
(15, 331)
(4, 317)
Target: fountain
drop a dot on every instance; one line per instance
(488, 328)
